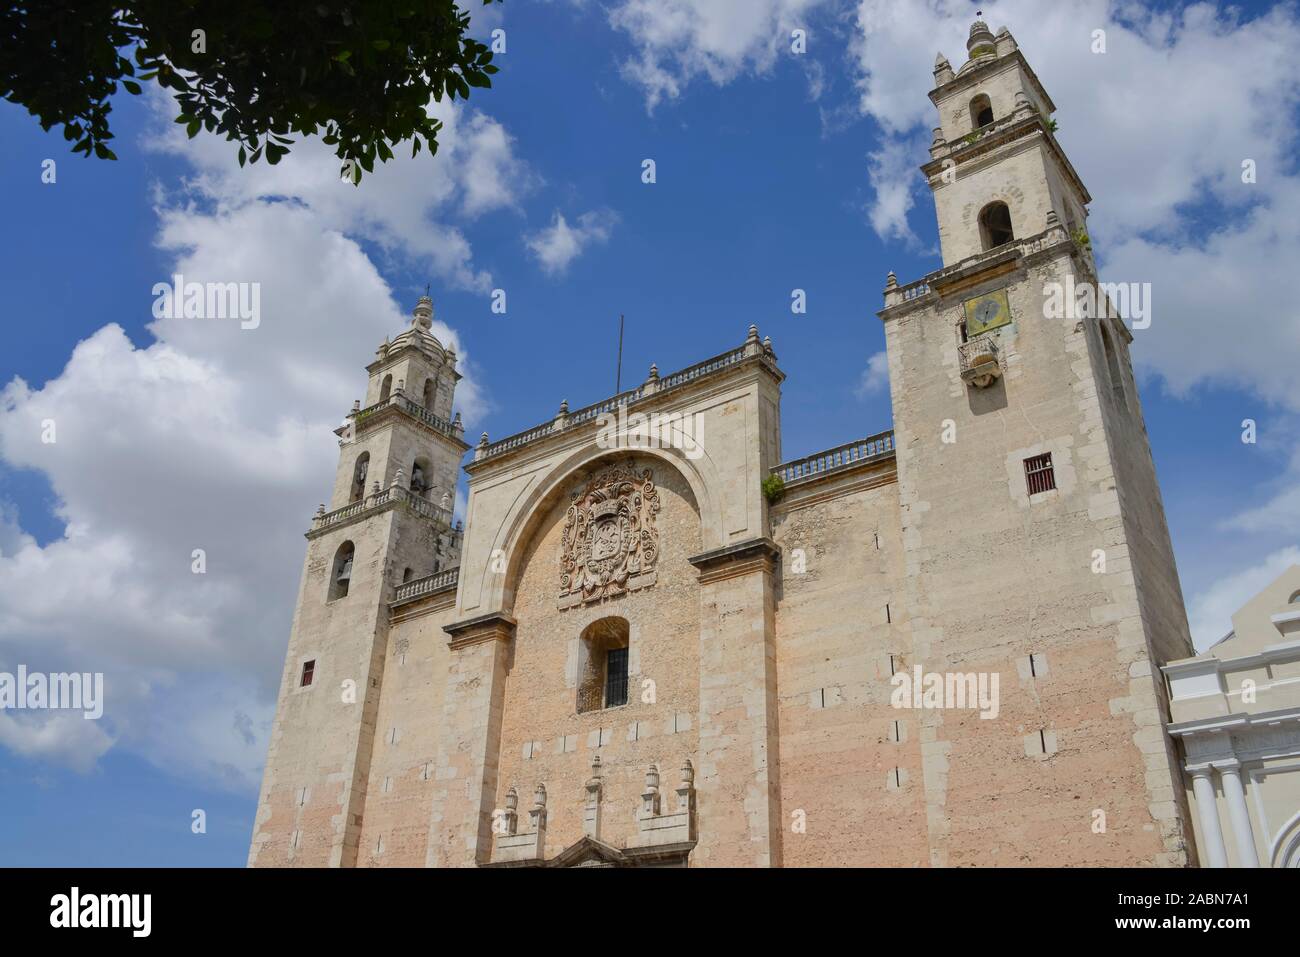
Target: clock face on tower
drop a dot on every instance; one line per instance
(986, 312)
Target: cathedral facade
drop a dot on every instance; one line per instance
(658, 641)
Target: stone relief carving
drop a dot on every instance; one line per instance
(610, 544)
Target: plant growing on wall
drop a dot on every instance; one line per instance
(773, 489)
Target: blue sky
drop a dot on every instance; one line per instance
(774, 172)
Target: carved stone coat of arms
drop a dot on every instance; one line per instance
(610, 544)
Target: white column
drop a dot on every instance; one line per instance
(1207, 806)
(1239, 815)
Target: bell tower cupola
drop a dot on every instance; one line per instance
(996, 168)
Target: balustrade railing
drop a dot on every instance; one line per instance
(611, 405)
(409, 591)
(843, 456)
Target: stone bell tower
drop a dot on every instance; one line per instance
(389, 520)
(1034, 535)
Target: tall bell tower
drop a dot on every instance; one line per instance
(389, 520)
(1034, 535)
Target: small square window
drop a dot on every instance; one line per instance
(308, 671)
(1039, 476)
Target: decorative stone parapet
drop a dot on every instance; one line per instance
(655, 826)
(531, 845)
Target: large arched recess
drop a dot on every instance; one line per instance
(700, 474)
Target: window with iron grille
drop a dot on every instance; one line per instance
(603, 663)
(1039, 476)
(308, 672)
(615, 677)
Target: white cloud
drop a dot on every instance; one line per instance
(875, 377)
(64, 738)
(556, 246)
(1210, 613)
(679, 40)
(218, 438)
(891, 169)
(404, 205)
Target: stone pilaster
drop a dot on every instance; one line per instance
(460, 826)
(738, 753)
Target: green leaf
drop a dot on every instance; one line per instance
(104, 153)
(132, 86)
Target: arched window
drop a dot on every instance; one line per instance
(430, 389)
(1112, 363)
(386, 387)
(359, 472)
(603, 665)
(995, 226)
(1295, 599)
(341, 571)
(981, 112)
(421, 478)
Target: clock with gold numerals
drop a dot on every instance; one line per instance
(986, 312)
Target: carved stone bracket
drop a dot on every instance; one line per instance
(757, 554)
(496, 626)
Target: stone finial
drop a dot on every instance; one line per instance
(1052, 219)
(422, 314)
(483, 441)
(654, 371)
(457, 425)
(382, 351)
(752, 345)
(400, 478)
(401, 387)
(320, 510)
(512, 812)
(767, 343)
(539, 796)
(356, 405)
(891, 281)
(688, 773)
(446, 501)
(564, 407)
(942, 70)
(374, 489)
(980, 36)
(591, 812)
(650, 796)
(937, 139)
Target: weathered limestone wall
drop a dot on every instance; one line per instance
(313, 789)
(543, 738)
(993, 577)
(850, 763)
(409, 722)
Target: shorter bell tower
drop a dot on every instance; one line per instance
(388, 521)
